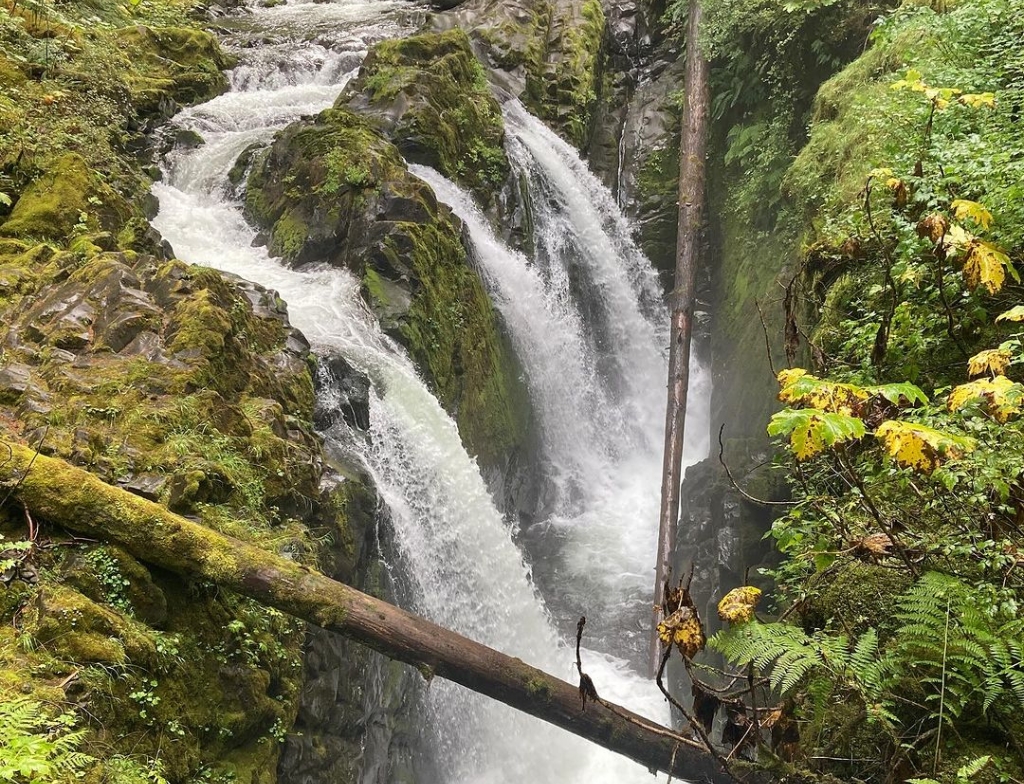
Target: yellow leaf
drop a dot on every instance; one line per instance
(912, 80)
(683, 629)
(919, 447)
(1001, 397)
(978, 100)
(789, 375)
(985, 265)
(880, 174)
(958, 237)
(810, 391)
(812, 432)
(993, 361)
(738, 605)
(962, 208)
(1013, 314)
(893, 183)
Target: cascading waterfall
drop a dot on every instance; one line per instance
(597, 383)
(455, 549)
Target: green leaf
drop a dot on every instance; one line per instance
(812, 432)
(894, 393)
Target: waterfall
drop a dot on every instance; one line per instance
(596, 381)
(586, 320)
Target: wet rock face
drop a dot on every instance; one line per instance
(191, 389)
(343, 395)
(334, 190)
(430, 97)
(548, 53)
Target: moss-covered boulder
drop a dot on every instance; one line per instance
(552, 50)
(430, 96)
(68, 197)
(189, 388)
(320, 189)
(333, 190)
(171, 66)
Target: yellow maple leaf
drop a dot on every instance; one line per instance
(985, 265)
(789, 375)
(738, 605)
(1013, 314)
(683, 629)
(919, 447)
(958, 237)
(978, 100)
(993, 361)
(963, 208)
(813, 392)
(1001, 397)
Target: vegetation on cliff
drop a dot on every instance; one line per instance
(430, 95)
(902, 546)
(174, 382)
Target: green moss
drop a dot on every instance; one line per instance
(448, 118)
(68, 195)
(314, 178)
(181, 64)
(859, 596)
(563, 60)
(539, 688)
(452, 334)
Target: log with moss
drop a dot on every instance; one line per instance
(56, 492)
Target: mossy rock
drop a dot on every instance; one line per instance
(859, 596)
(322, 184)
(430, 95)
(173, 65)
(334, 190)
(559, 47)
(68, 195)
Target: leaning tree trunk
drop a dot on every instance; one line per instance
(59, 493)
(692, 151)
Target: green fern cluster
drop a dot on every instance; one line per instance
(36, 747)
(952, 644)
(788, 656)
(959, 646)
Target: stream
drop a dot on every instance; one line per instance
(586, 320)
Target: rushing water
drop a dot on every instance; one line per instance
(586, 322)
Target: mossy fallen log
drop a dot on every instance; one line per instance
(59, 493)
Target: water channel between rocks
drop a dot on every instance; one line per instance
(585, 318)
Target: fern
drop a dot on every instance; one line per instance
(968, 657)
(34, 747)
(789, 656)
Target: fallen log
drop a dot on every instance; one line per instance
(61, 494)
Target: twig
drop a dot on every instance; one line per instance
(32, 531)
(767, 341)
(587, 688)
(64, 683)
(888, 530)
(882, 336)
(694, 725)
(672, 764)
(732, 480)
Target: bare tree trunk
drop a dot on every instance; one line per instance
(59, 493)
(692, 152)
